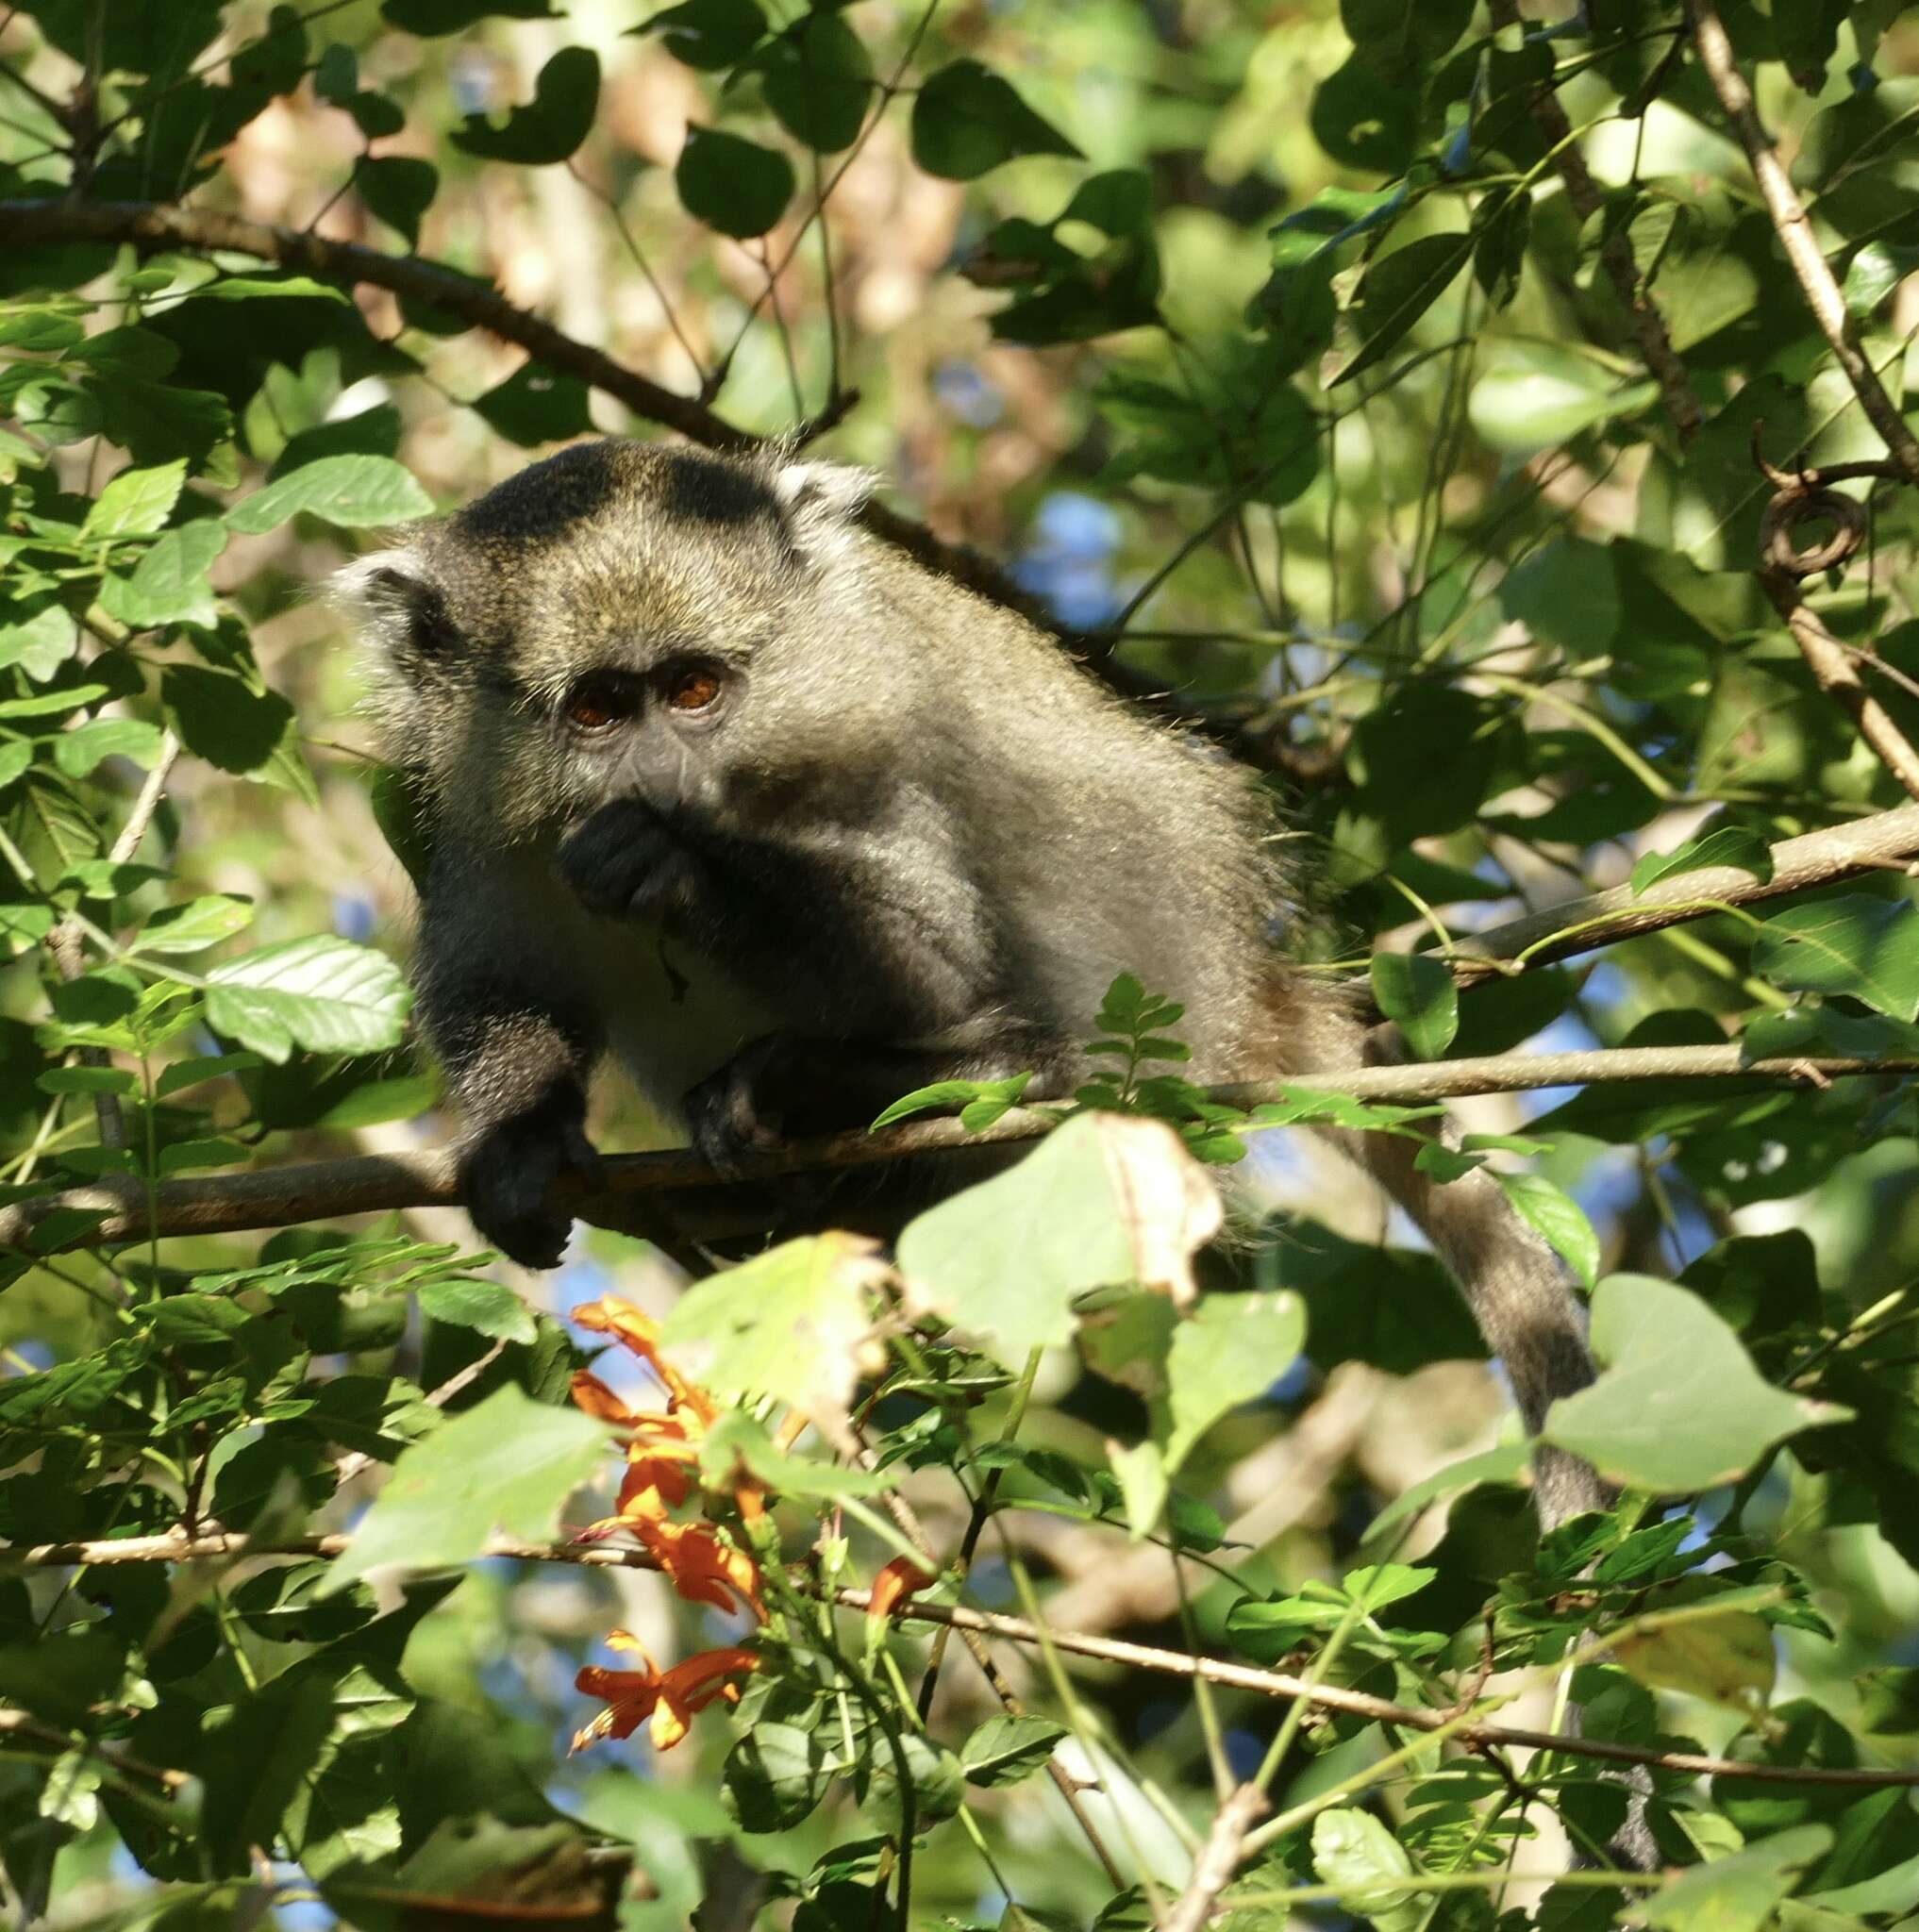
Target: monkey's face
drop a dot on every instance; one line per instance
(627, 623)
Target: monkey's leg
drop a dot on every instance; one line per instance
(518, 1039)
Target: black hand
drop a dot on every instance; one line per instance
(508, 1171)
(624, 863)
(741, 1110)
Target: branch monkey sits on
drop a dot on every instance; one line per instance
(719, 784)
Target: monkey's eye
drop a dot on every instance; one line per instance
(692, 688)
(598, 703)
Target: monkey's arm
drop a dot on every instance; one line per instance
(518, 1035)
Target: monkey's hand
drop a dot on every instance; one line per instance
(508, 1170)
(624, 863)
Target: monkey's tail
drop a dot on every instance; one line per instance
(1531, 1319)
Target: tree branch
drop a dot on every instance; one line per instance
(1795, 234)
(1578, 926)
(116, 1210)
(153, 226)
(176, 1549)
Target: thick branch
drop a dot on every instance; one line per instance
(153, 226)
(1795, 233)
(279, 1196)
(1578, 926)
(175, 1548)
(1655, 345)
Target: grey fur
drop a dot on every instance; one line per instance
(917, 842)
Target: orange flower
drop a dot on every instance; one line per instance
(638, 1333)
(665, 1445)
(896, 1582)
(668, 1698)
(702, 1567)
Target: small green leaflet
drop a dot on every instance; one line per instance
(135, 504)
(1557, 1217)
(1418, 994)
(1006, 1749)
(168, 584)
(352, 492)
(732, 184)
(1231, 1349)
(1353, 1851)
(1679, 1406)
(552, 124)
(485, 1306)
(1726, 845)
(321, 994)
(508, 1465)
(968, 119)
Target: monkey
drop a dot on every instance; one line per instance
(721, 785)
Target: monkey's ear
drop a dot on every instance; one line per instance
(402, 610)
(821, 501)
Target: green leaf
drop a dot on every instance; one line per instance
(352, 492)
(485, 1306)
(135, 504)
(1398, 289)
(77, 751)
(221, 718)
(321, 994)
(1418, 994)
(1679, 1406)
(168, 584)
(1007, 1258)
(1004, 1750)
(1144, 1483)
(508, 1465)
(967, 120)
(1533, 397)
(1740, 1891)
(39, 645)
(1866, 948)
(534, 405)
(1559, 1218)
(399, 189)
(733, 185)
(775, 1775)
(1405, 39)
(258, 1756)
(1231, 1349)
(1353, 1851)
(1733, 845)
(566, 92)
(818, 80)
(709, 34)
(967, 1095)
(189, 929)
(788, 1323)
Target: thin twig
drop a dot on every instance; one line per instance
(1584, 196)
(64, 943)
(1219, 1858)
